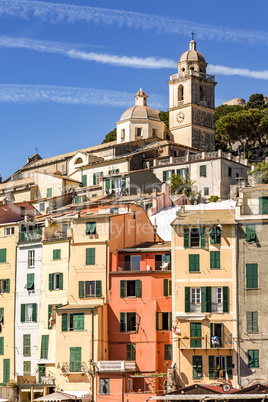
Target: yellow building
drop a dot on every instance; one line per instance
(204, 296)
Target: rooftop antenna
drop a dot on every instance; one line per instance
(192, 33)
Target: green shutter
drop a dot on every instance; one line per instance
(22, 313)
(94, 179)
(211, 367)
(186, 237)
(206, 299)
(215, 259)
(211, 333)
(255, 326)
(206, 191)
(250, 233)
(64, 322)
(229, 366)
(60, 280)
(194, 262)
(107, 184)
(49, 192)
(49, 315)
(3, 255)
(203, 171)
(98, 288)
(44, 346)
(6, 376)
(122, 322)
(122, 289)
(30, 281)
(84, 180)
(78, 322)
(1, 345)
(138, 288)
(90, 256)
(197, 367)
(81, 289)
(253, 358)
(75, 359)
(263, 205)
(164, 176)
(203, 236)
(50, 282)
(225, 290)
(187, 300)
(1, 314)
(56, 254)
(165, 287)
(7, 285)
(170, 321)
(195, 332)
(34, 312)
(252, 276)
(27, 345)
(129, 352)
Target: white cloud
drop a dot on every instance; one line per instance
(56, 12)
(242, 72)
(10, 93)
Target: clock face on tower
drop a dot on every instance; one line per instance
(180, 117)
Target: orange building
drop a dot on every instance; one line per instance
(139, 324)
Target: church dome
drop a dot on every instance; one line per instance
(192, 54)
(140, 112)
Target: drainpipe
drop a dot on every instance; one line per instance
(122, 387)
(237, 304)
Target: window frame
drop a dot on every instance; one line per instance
(31, 258)
(101, 386)
(160, 321)
(256, 360)
(11, 229)
(168, 351)
(89, 232)
(26, 345)
(195, 300)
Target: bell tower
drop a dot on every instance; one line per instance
(192, 102)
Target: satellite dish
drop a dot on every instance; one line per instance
(226, 387)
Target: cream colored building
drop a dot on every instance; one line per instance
(204, 307)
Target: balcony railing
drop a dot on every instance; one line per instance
(74, 367)
(189, 73)
(204, 342)
(33, 235)
(116, 366)
(57, 234)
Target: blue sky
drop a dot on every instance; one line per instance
(68, 69)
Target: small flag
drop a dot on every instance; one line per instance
(51, 321)
(228, 379)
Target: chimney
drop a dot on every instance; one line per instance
(26, 217)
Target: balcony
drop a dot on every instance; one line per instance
(74, 368)
(192, 73)
(54, 233)
(115, 366)
(30, 236)
(205, 342)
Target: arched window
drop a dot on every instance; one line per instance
(180, 93)
(183, 69)
(78, 160)
(191, 68)
(202, 95)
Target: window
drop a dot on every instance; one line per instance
(52, 314)
(89, 289)
(197, 367)
(30, 282)
(9, 231)
(219, 366)
(162, 262)
(263, 205)
(49, 192)
(42, 207)
(44, 346)
(252, 276)
(27, 345)
(216, 335)
(154, 132)
(3, 255)
(195, 335)
(135, 262)
(202, 97)
(27, 368)
(215, 235)
(252, 321)
(128, 322)
(75, 359)
(56, 254)
(91, 228)
(42, 372)
(4, 286)
(22, 212)
(123, 134)
(138, 132)
(163, 321)
(195, 300)
(90, 256)
(167, 174)
(206, 190)
(31, 258)
(168, 352)
(1, 315)
(131, 351)
(29, 312)
(55, 281)
(215, 262)
(96, 178)
(114, 211)
(104, 386)
(167, 287)
(130, 288)
(180, 93)
(194, 237)
(203, 171)
(229, 172)
(78, 200)
(84, 180)
(78, 160)
(72, 322)
(216, 305)
(194, 263)
(6, 370)
(250, 233)
(253, 358)
(1, 345)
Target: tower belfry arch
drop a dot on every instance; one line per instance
(192, 101)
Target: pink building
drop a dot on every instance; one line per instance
(139, 322)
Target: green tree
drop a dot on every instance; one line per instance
(260, 172)
(111, 136)
(164, 117)
(256, 101)
(179, 184)
(223, 110)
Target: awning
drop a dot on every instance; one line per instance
(207, 397)
(191, 317)
(79, 394)
(56, 396)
